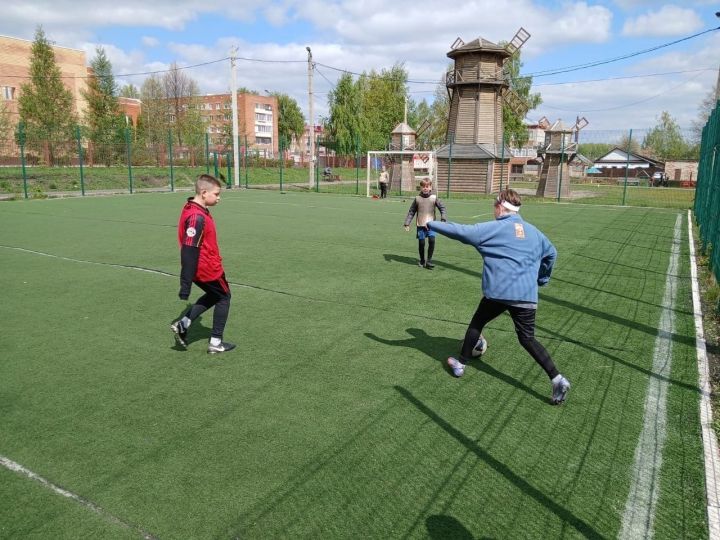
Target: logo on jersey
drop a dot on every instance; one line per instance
(191, 232)
(519, 231)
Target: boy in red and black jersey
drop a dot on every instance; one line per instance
(201, 264)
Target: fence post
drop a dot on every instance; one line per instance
(215, 165)
(562, 156)
(502, 162)
(207, 153)
(170, 157)
(22, 138)
(317, 168)
(449, 165)
(128, 151)
(80, 160)
(627, 166)
(357, 164)
(282, 141)
(246, 163)
(228, 179)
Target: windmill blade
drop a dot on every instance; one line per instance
(423, 127)
(517, 104)
(544, 123)
(581, 123)
(517, 41)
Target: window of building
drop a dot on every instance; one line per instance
(263, 129)
(517, 169)
(263, 140)
(8, 93)
(217, 106)
(260, 117)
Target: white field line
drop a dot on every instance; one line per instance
(639, 515)
(16, 467)
(710, 444)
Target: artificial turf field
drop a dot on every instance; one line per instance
(336, 417)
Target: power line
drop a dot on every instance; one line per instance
(626, 77)
(547, 73)
(628, 104)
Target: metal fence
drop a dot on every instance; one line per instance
(707, 201)
(128, 163)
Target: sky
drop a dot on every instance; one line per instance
(359, 35)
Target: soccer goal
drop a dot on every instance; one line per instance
(405, 169)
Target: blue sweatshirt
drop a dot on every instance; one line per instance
(517, 256)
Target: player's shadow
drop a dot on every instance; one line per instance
(391, 257)
(441, 527)
(438, 348)
(197, 332)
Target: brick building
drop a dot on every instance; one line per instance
(15, 54)
(257, 120)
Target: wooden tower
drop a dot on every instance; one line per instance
(473, 157)
(402, 174)
(559, 149)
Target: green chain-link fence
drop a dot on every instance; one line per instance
(707, 201)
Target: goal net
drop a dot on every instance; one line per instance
(405, 170)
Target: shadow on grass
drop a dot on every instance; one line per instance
(196, 332)
(446, 528)
(438, 348)
(391, 257)
(622, 321)
(518, 481)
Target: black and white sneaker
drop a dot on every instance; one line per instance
(560, 390)
(429, 265)
(223, 347)
(180, 333)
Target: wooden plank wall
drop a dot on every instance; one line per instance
(467, 176)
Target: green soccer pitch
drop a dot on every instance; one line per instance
(336, 416)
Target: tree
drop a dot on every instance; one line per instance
(130, 91)
(665, 141)
(363, 113)
(436, 115)
(706, 107)
(102, 116)
(291, 122)
(628, 144)
(154, 120)
(516, 132)
(45, 105)
(593, 151)
(181, 91)
(344, 122)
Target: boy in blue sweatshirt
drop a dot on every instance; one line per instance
(517, 259)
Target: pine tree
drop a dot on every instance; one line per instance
(102, 116)
(45, 104)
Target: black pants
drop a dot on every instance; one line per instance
(430, 250)
(524, 320)
(217, 293)
(383, 191)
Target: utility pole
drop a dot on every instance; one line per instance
(311, 168)
(235, 134)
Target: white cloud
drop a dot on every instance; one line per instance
(668, 21)
(150, 41)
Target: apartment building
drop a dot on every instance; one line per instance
(257, 120)
(15, 54)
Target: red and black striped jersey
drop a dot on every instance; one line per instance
(196, 228)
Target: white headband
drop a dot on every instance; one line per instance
(508, 205)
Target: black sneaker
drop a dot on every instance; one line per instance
(429, 265)
(421, 264)
(180, 333)
(223, 347)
